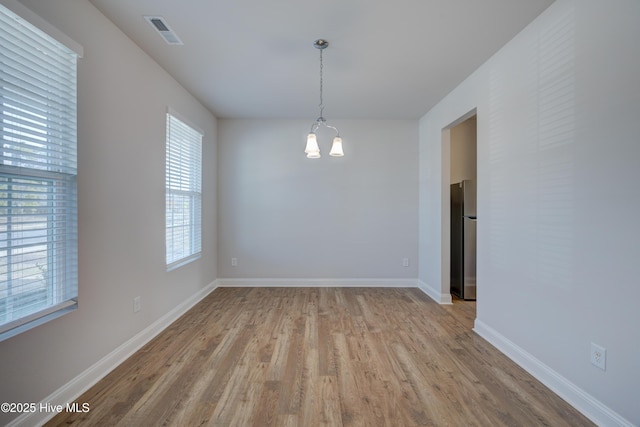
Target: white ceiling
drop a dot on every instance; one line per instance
(386, 59)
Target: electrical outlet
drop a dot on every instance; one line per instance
(136, 304)
(234, 262)
(405, 262)
(598, 356)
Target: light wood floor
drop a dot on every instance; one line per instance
(318, 356)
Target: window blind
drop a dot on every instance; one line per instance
(183, 193)
(38, 168)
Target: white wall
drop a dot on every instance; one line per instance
(285, 216)
(558, 152)
(123, 96)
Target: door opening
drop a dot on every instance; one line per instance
(459, 219)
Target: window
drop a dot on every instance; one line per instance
(183, 193)
(38, 204)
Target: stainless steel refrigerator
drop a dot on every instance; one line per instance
(463, 239)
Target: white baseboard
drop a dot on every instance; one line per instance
(434, 293)
(74, 388)
(588, 405)
(318, 283)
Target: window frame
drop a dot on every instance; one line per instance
(178, 174)
(38, 171)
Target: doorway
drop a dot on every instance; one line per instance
(459, 181)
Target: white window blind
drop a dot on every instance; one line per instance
(38, 203)
(183, 193)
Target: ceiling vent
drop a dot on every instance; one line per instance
(163, 29)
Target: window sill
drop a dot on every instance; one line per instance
(183, 261)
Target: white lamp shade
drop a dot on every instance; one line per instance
(336, 147)
(312, 149)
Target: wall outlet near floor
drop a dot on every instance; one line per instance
(405, 262)
(136, 304)
(598, 356)
(234, 262)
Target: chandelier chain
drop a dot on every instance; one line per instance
(321, 105)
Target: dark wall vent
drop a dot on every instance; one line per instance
(161, 26)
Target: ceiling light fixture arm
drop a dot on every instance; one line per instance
(321, 121)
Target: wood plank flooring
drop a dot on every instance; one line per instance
(321, 357)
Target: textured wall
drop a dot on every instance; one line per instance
(557, 112)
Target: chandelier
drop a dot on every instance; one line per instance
(312, 149)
